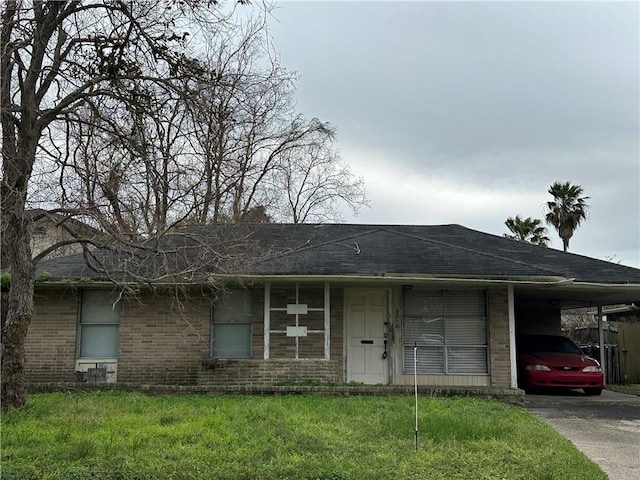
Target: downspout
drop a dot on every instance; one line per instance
(513, 367)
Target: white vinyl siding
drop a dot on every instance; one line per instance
(449, 328)
(99, 324)
(232, 318)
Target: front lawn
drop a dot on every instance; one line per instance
(131, 436)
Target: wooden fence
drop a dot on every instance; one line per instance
(629, 351)
(611, 361)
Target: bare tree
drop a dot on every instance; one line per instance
(58, 58)
(230, 145)
(109, 116)
(579, 317)
(312, 182)
(256, 150)
(136, 173)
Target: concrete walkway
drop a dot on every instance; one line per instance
(605, 428)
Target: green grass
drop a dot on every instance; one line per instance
(130, 436)
(631, 389)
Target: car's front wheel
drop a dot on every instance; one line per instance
(592, 391)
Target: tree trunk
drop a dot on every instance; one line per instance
(19, 310)
(17, 165)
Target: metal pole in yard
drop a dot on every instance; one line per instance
(415, 382)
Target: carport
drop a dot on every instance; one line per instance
(537, 308)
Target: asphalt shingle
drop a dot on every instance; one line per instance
(345, 249)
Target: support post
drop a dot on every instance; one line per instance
(415, 383)
(267, 318)
(513, 367)
(327, 321)
(603, 353)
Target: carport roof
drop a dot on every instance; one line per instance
(349, 250)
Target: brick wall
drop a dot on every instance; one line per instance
(163, 341)
(499, 337)
(257, 327)
(51, 340)
(162, 344)
(159, 342)
(282, 366)
(337, 328)
(269, 372)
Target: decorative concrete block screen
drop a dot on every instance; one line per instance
(297, 321)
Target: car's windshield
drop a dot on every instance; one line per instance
(549, 344)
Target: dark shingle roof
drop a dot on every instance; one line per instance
(347, 249)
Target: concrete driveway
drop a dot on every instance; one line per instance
(605, 428)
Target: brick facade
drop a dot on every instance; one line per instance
(269, 372)
(51, 342)
(166, 342)
(282, 366)
(162, 341)
(499, 360)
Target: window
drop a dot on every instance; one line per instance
(99, 324)
(450, 330)
(232, 318)
(298, 321)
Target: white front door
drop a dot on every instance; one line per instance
(366, 329)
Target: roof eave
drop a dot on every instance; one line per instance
(405, 279)
(395, 278)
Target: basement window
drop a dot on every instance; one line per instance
(231, 326)
(99, 324)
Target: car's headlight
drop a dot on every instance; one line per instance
(537, 368)
(592, 369)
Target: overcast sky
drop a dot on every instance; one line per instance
(466, 112)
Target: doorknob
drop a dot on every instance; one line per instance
(384, 354)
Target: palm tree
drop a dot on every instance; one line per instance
(527, 230)
(567, 210)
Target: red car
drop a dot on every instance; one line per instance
(552, 361)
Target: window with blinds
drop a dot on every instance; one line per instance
(232, 319)
(99, 324)
(450, 329)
